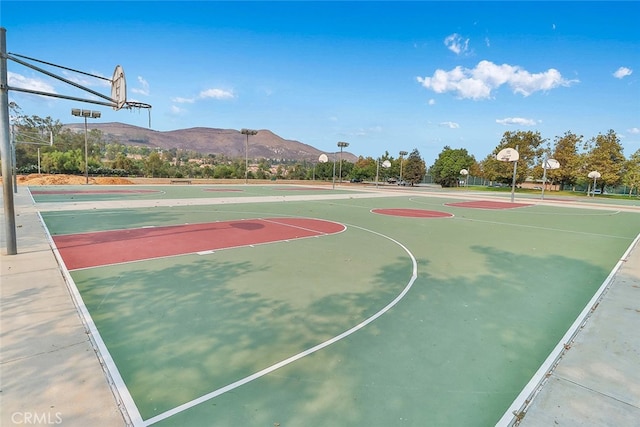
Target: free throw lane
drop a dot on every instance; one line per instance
(112, 247)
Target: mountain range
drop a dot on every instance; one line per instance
(229, 142)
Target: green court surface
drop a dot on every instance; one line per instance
(76, 193)
(447, 319)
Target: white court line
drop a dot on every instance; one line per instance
(303, 228)
(118, 387)
(298, 356)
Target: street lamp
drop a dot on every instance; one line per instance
(246, 152)
(86, 114)
(341, 145)
(402, 153)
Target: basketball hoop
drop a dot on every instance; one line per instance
(130, 105)
(118, 88)
(508, 155)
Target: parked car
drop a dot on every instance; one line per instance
(356, 180)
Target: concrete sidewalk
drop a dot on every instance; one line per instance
(49, 370)
(597, 380)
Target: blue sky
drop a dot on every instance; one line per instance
(383, 76)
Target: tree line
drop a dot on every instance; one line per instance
(576, 155)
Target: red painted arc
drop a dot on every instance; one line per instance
(85, 192)
(95, 249)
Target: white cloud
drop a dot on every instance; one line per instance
(622, 72)
(181, 100)
(634, 131)
(481, 81)
(456, 44)
(516, 121)
(431, 102)
(144, 89)
(175, 110)
(18, 80)
(205, 94)
(216, 94)
(450, 125)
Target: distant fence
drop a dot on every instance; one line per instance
(479, 181)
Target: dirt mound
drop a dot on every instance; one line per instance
(61, 179)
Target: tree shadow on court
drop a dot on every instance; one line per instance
(458, 350)
(455, 351)
(177, 332)
(314, 390)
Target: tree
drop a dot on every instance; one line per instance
(631, 177)
(529, 148)
(364, 168)
(32, 134)
(123, 162)
(154, 166)
(414, 168)
(606, 156)
(566, 153)
(446, 169)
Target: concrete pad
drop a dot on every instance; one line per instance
(64, 385)
(37, 318)
(29, 262)
(564, 403)
(50, 372)
(597, 381)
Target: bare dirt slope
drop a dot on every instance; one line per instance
(61, 179)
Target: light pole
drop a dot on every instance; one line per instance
(402, 153)
(246, 152)
(342, 145)
(86, 114)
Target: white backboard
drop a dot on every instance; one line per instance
(118, 88)
(508, 155)
(552, 164)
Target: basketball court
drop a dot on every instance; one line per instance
(329, 307)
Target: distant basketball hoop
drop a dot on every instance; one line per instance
(552, 164)
(386, 164)
(508, 155)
